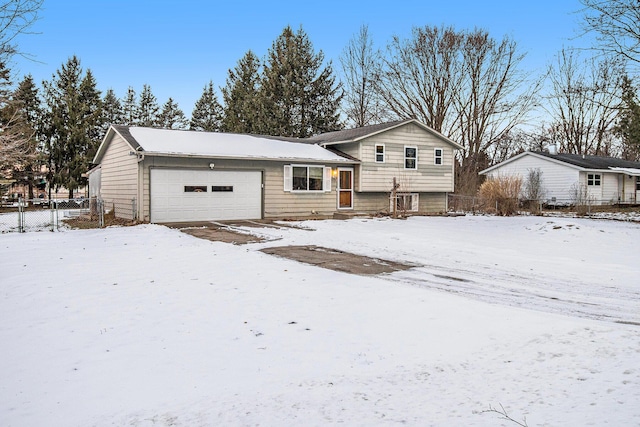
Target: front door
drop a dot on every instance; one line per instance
(345, 188)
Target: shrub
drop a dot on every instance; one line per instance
(501, 194)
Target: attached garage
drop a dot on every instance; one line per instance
(204, 195)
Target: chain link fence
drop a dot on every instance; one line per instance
(582, 206)
(26, 215)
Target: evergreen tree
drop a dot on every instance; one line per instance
(241, 97)
(112, 111)
(299, 97)
(28, 106)
(130, 108)
(148, 109)
(93, 114)
(171, 116)
(628, 126)
(207, 113)
(73, 124)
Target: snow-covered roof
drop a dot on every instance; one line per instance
(628, 171)
(578, 161)
(181, 143)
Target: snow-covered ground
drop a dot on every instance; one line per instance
(147, 326)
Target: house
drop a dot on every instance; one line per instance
(174, 175)
(568, 177)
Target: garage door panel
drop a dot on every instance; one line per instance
(170, 202)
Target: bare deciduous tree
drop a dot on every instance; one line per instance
(359, 60)
(463, 84)
(16, 16)
(496, 99)
(421, 77)
(617, 23)
(583, 102)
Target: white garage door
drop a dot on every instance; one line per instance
(205, 195)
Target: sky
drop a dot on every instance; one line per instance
(178, 47)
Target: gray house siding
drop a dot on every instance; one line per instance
(276, 202)
(119, 176)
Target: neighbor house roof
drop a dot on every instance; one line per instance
(180, 143)
(579, 161)
(354, 135)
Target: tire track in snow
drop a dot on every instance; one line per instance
(533, 292)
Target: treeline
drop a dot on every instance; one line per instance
(465, 84)
(293, 93)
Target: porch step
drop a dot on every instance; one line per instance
(349, 215)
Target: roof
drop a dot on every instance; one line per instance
(592, 162)
(579, 161)
(181, 143)
(356, 134)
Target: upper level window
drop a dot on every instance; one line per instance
(593, 179)
(411, 157)
(379, 153)
(307, 178)
(437, 156)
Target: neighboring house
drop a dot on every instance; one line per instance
(174, 175)
(567, 177)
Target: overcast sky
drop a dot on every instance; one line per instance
(178, 46)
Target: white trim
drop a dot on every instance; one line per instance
(326, 179)
(288, 178)
(375, 153)
(415, 201)
(338, 190)
(436, 157)
(404, 157)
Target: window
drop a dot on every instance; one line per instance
(411, 157)
(593, 179)
(195, 188)
(307, 178)
(406, 202)
(437, 156)
(379, 153)
(637, 183)
(220, 188)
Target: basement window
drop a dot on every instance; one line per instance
(195, 188)
(406, 202)
(222, 188)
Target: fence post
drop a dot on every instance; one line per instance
(53, 217)
(20, 216)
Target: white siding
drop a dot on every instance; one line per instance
(558, 180)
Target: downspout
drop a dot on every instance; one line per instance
(140, 186)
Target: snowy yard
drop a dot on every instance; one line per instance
(148, 326)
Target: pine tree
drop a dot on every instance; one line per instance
(207, 113)
(148, 109)
(29, 108)
(299, 97)
(130, 108)
(241, 97)
(111, 110)
(171, 116)
(73, 124)
(628, 125)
